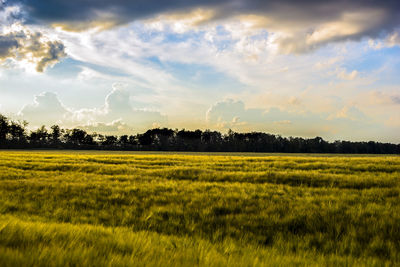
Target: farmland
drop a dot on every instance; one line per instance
(145, 209)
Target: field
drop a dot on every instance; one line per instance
(144, 209)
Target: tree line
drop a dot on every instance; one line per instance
(15, 135)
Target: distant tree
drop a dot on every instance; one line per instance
(4, 128)
(17, 131)
(162, 138)
(110, 141)
(123, 141)
(188, 140)
(145, 139)
(133, 140)
(39, 137)
(77, 137)
(55, 134)
(89, 141)
(13, 134)
(211, 140)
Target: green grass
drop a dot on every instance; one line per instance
(183, 209)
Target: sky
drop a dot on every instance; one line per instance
(295, 68)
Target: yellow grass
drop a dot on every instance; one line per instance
(143, 209)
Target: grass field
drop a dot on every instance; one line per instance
(144, 209)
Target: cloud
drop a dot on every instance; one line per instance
(344, 75)
(393, 39)
(234, 115)
(118, 107)
(347, 25)
(299, 27)
(31, 48)
(9, 14)
(46, 109)
(396, 99)
(384, 98)
(231, 114)
(116, 127)
(350, 113)
(83, 14)
(7, 43)
(24, 45)
(180, 22)
(117, 114)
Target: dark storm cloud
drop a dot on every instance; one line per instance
(86, 10)
(126, 10)
(308, 24)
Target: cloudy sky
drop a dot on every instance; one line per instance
(315, 68)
